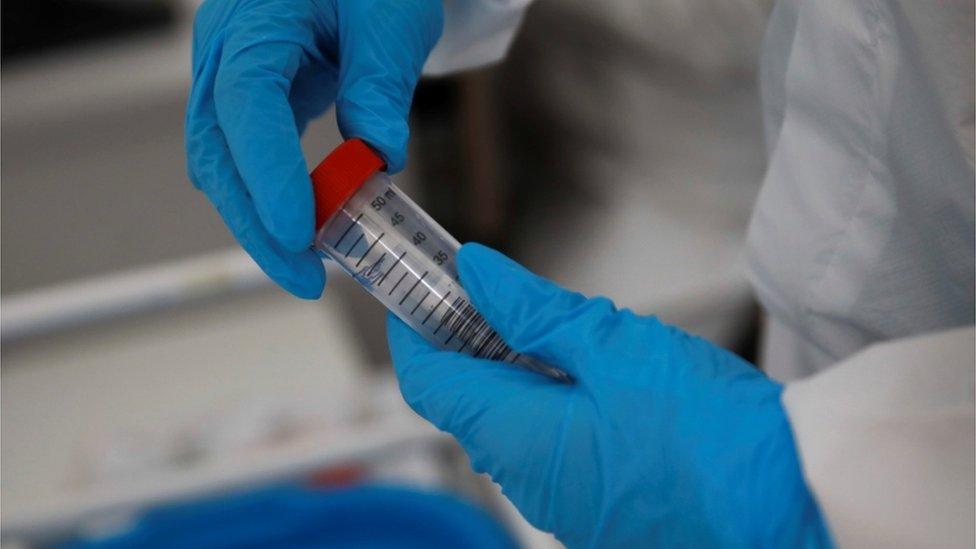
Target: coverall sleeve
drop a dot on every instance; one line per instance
(476, 33)
(887, 444)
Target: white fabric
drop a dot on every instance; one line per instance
(886, 439)
(864, 228)
(476, 33)
(792, 354)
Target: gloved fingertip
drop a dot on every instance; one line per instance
(489, 276)
(302, 276)
(405, 343)
(395, 161)
(288, 211)
(310, 292)
(294, 238)
(392, 151)
(473, 256)
(386, 131)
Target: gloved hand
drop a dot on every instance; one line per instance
(664, 440)
(261, 70)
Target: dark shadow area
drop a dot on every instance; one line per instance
(35, 27)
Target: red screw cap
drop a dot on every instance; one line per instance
(340, 175)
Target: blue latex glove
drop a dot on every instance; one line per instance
(261, 70)
(664, 440)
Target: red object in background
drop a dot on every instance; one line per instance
(337, 477)
(337, 177)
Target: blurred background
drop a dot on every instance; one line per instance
(147, 363)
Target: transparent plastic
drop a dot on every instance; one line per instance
(407, 261)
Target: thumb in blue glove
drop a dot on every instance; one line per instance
(664, 439)
(261, 71)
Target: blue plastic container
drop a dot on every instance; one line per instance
(361, 517)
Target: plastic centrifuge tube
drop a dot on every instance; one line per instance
(401, 256)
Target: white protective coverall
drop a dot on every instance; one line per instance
(861, 249)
